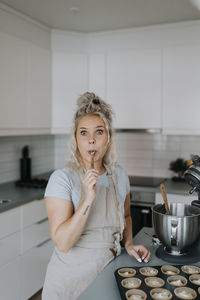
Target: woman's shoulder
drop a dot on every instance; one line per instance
(64, 174)
(122, 180)
(120, 170)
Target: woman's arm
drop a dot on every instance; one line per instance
(138, 251)
(66, 226)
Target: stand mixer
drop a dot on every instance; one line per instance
(192, 177)
(179, 231)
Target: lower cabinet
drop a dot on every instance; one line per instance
(141, 217)
(10, 280)
(25, 250)
(34, 264)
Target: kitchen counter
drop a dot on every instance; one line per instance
(20, 195)
(105, 286)
(181, 188)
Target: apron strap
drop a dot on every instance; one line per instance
(112, 176)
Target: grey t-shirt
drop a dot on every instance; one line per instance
(65, 184)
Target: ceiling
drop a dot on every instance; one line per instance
(100, 15)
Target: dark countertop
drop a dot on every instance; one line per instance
(20, 195)
(172, 187)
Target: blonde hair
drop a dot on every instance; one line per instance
(90, 104)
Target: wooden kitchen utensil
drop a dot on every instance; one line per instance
(92, 159)
(163, 191)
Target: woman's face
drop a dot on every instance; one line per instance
(91, 135)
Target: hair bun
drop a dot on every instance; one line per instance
(96, 101)
(89, 103)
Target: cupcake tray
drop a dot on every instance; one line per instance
(161, 275)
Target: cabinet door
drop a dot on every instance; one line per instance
(35, 234)
(33, 212)
(34, 265)
(181, 90)
(40, 88)
(97, 74)
(6, 226)
(14, 97)
(69, 82)
(9, 248)
(10, 280)
(134, 88)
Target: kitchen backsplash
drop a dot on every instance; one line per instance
(141, 154)
(41, 152)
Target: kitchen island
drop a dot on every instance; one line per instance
(104, 287)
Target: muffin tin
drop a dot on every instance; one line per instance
(187, 274)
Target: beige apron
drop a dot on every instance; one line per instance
(68, 274)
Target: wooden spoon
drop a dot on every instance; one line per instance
(92, 159)
(163, 191)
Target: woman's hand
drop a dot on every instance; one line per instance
(89, 182)
(139, 252)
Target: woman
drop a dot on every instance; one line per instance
(88, 206)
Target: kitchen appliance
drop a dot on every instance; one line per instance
(192, 176)
(142, 200)
(25, 172)
(179, 233)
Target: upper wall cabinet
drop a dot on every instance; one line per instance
(14, 96)
(133, 87)
(181, 90)
(70, 80)
(25, 87)
(40, 88)
(97, 74)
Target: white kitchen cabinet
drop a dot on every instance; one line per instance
(37, 247)
(97, 74)
(33, 212)
(175, 198)
(70, 80)
(181, 90)
(9, 248)
(10, 280)
(25, 87)
(10, 238)
(35, 235)
(14, 97)
(10, 260)
(34, 265)
(133, 87)
(40, 88)
(6, 226)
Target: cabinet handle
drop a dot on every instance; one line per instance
(145, 211)
(41, 244)
(42, 221)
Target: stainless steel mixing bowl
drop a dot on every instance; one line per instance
(177, 231)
